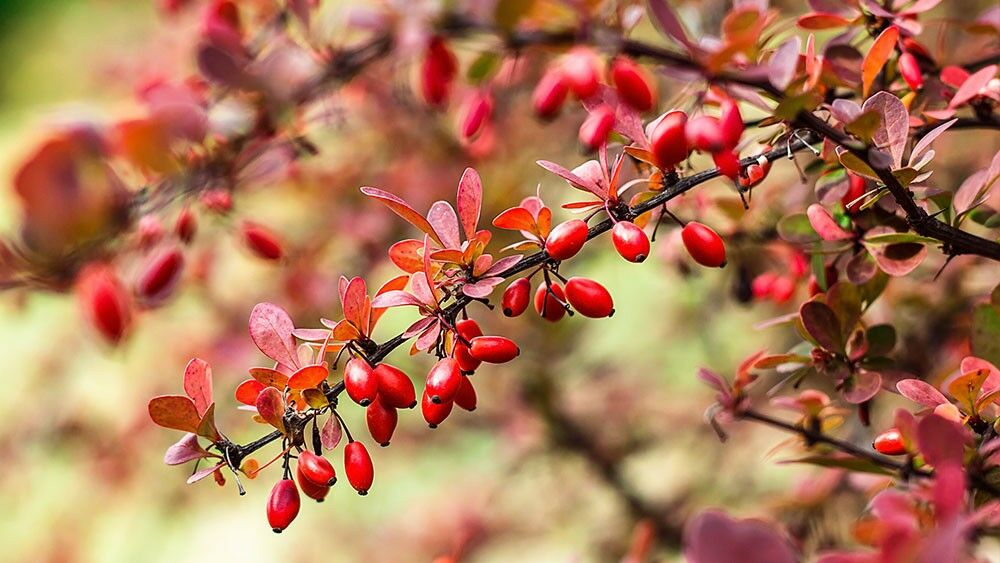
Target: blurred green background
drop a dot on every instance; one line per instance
(81, 472)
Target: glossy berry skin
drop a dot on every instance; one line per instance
(909, 69)
(855, 189)
(516, 297)
(494, 349)
(317, 469)
(395, 389)
(186, 226)
(580, 70)
(633, 86)
(435, 413)
(310, 489)
(589, 298)
(382, 420)
(704, 245)
(889, 442)
(358, 467)
(360, 381)
(475, 113)
(160, 275)
(546, 306)
(550, 94)
(566, 239)
(261, 241)
(437, 72)
(595, 129)
(630, 241)
(704, 133)
(444, 380)
(731, 123)
(668, 140)
(467, 330)
(283, 505)
(466, 396)
(728, 163)
(105, 302)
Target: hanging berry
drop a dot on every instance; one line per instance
(310, 489)
(283, 505)
(186, 225)
(494, 349)
(104, 302)
(668, 140)
(549, 94)
(317, 469)
(159, 276)
(704, 245)
(909, 69)
(549, 303)
(382, 420)
(467, 329)
(580, 68)
(435, 413)
(360, 381)
(516, 297)
(589, 298)
(261, 241)
(444, 380)
(358, 467)
(704, 133)
(395, 388)
(632, 84)
(630, 241)
(595, 129)
(466, 396)
(437, 72)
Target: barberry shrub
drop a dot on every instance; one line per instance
(680, 137)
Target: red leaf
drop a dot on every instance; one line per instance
(403, 209)
(822, 21)
(877, 56)
(176, 412)
(469, 201)
(941, 440)
(202, 473)
(921, 392)
(405, 255)
(248, 391)
(515, 219)
(308, 377)
(354, 300)
(269, 377)
(395, 283)
(970, 88)
(271, 330)
(713, 536)
(198, 384)
(572, 178)
(271, 407)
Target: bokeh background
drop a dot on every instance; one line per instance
(597, 425)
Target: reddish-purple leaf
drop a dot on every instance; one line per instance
(396, 298)
(864, 385)
(469, 201)
(895, 259)
(503, 264)
(271, 407)
(572, 178)
(824, 224)
(418, 327)
(785, 63)
(430, 336)
(848, 9)
(714, 537)
(921, 392)
(877, 56)
(967, 195)
(331, 432)
(271, 330)
(941, 440)
(822, 325)
(845, 111)
(198, 384)
(186, 449)
(205, 472)
(308, 377)
(892, 133)
(442, 217)
(925, 142)
(206, 428)
(403, 209)
(482, 288)
(176, 412)
(668, 23)
(972, 85)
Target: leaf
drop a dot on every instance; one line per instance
(442, 217)
(893, 238)
(966, 387)
(775, 360)
(713, 536)
(269, 377)
(248, 390)
(198, 384)
(940, 440)
(668, 24)
(176, 412)
(843, 462)
(186, 449)
(482, 288)
(822, 324)
(881, 339)
(271, 330)
(864, 385)
(824, 224)
(972, 85)
(396, 298)
(405, 254)
(925, 142)
(845, 111)
(396, 283)
(202, 473)
(206, 428)
(878, 54)
(515, 219)
(403, 209)
(308, 377)
(331, 432)
(822, 21)
(893, 132)
(354, 301)
(985, 336)
(897, 259)
(855, 164)
(921, 392)
(796, 229)
(508, 12)
(502, 265)
(575, 180)
(469, 201)
(784, 63)
(271, 407)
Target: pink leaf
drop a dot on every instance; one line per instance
(331, 432)
(202, 473)
(893, 131)
(186, 449)
(865, 385)
(442, 217)
(941, 440)
(308, 377)
(921, 392)
(925, 142)
(972, 85)
(403, 209)
(503, 264)
(418, 327)
(396, 298)
(405, 254)
(824, 224)
(271, 330)
(198, 384)
(311, 334)
(469, 201)
(482, 288)
(785, 63)
(668, 23)
(714, 537)
(571, 177)
(429, 337)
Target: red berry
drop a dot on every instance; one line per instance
(150, 230)
(580, 69)
(104, 302)
(728, 163)
(217, 200)
(160, 275)
(310, 489)
(466, 396)
(360, 381)
(435, 413)
(467, 330)
(595, 129)
(909, 68)
(855, 189)
(261, 241)
(317, 469)
(475, 113)
(548, 307)
(632, 84)
(589, 298)
(762, 284)
(381, 420)
(782, 289)
(494, 349)
(566, 239)
(444, 380)
(516, 297)
(704, 133)
(283, 505)
(889, 442)
(186, 225)
(395, 388)
(549, 94)
(630, 241)
(437, 72)
(704, 245)
(668, 140)
(358, 467)
(731, 122)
